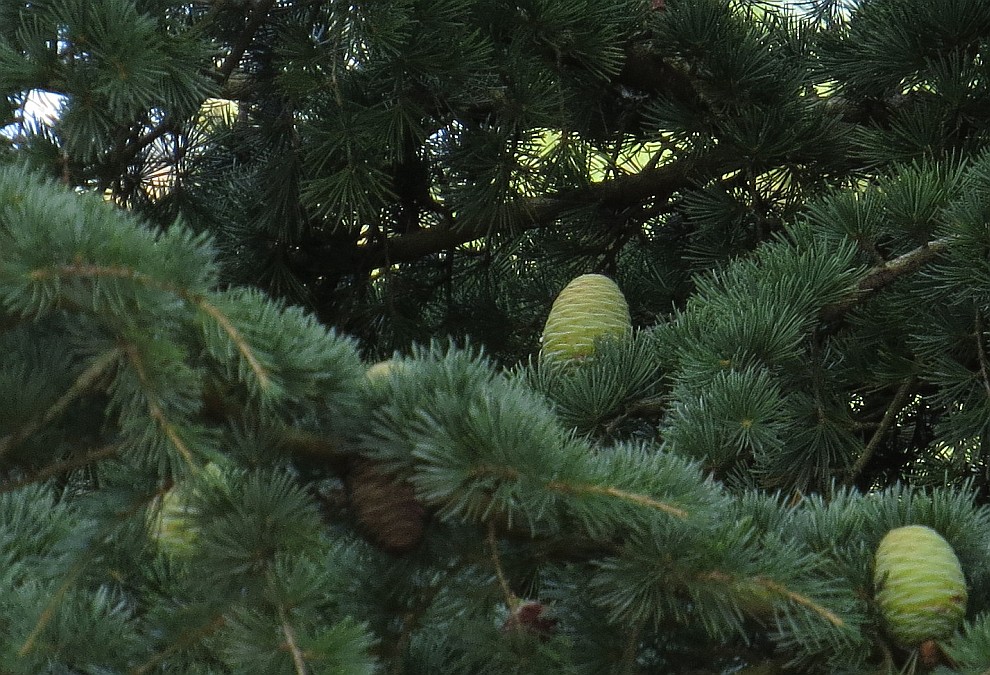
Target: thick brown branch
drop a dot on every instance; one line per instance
(648, 71)
(535, 212)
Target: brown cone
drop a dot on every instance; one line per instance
(386, 507)
(530, 616)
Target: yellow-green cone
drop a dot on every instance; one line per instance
(174, 530)
(920, 587)
(173, 525)
(379, 371)
(590, 307)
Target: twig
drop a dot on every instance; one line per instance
(981, 352)
(629, 650)
(83, 383)
(61, 467)
(328, 450)
(290, 640)
(48, 613)
(511, 600)
(254, 22)
(196, 299)
(235, 336)
(608, 491)
(885, 274)
(168, 124)
(510, 473)
(186, 638)
(155, 410)
(888, 419)
(802, 600)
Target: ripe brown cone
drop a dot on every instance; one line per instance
(386, 507)
(530, 616)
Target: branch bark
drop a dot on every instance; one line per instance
(541, 211)
(883, 275)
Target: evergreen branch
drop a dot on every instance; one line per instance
(186, 639)
(882, 275)
(802, 600)
(195, 299)
(258, 14)
(79, 269)
(155, 409)
(61, 467)
(48, 613)
(126, 154)
(781, 590)
(608, 491)
(541, 211)
(981, 352)
(631, 648)
(905, 264)
(509, 473)
(646, 70)
(235, 336)
(888, 419)
(511, 600)
(330, 451)
(83, 383)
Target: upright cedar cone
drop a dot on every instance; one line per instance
(173, 518)
(919, 585)
(386, 507)
(171, 526)
(385, 504)
(590, 307)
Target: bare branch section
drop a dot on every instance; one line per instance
(883, 275)
(255, 19)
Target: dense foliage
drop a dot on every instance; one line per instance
(236, 207)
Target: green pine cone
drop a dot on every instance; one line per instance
(590, 306)
(173, 525)
(919, 585)
(174, 531)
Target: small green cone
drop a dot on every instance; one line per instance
(173, 526)
(919, 585)
(590, 306)
(174, 531)
(378, 374)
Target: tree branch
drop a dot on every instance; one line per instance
(541, 211)
(126, 153)
(883, 275)
(888, 420)
(46, 472)
(254, 22)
